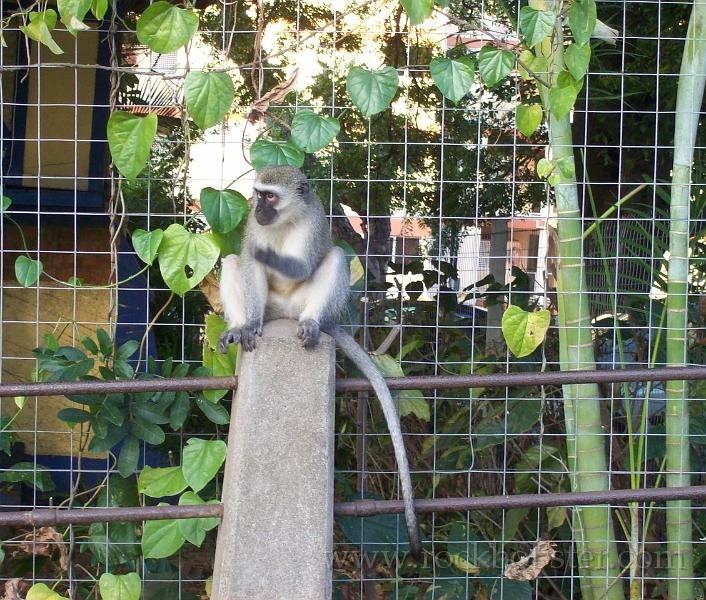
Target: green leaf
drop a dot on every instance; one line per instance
(466, 548)
(418, 11)
(411, 402)
(129, 455)
(265, 153)
(165, 28)
(27, 270)
(214, 412)
(524, 331)
(494, 65)
(130, 139)
(208, 96)
(149, 432)
(383, 534)
(312, 132)
(562, 100)
(215, 326)
(582, 20)
(372, 91)
(120, 587)
(20, 401)
(224, 209)
(556, 515)
(535, 24)
(99, 8)
(577, 58)
(5, 204)
(39, 591)
(146, 244)
(40, 27)
(201, 460)
(161, 538)
(72, 13)
(194, 530)
(453, 77)
(544, 168)
(529, 116)
(36, 476)
(161, 482)
(74, 415)
(181, 250)
(104, 341)
(527, 59)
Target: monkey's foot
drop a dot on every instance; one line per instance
(228, 337)
(249, 333)
(309, 333)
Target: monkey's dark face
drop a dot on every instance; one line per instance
(266, 206)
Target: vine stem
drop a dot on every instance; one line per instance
(149, 328)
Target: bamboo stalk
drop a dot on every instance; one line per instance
(690, 91)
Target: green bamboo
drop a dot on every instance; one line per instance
(690, 93)
(591, 473)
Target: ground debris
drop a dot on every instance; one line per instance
(45, 542)
(531, 566)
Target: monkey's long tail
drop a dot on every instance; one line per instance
(361, 359)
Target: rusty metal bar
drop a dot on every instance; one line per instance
(424, 382)
(40, 517)
(43, 517)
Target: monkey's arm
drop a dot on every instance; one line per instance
(290, 267)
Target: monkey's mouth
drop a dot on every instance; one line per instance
(265, 215)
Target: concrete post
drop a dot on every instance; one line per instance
(275, 541)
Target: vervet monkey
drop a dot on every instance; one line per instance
(290, 268)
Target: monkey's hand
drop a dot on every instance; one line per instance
(249, 333)
(228, 337)
(309, 333)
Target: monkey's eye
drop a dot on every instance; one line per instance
(270, 197)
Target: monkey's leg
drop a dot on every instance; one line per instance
(323, 297)
(243, 307)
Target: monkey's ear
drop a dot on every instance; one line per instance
(303, 188)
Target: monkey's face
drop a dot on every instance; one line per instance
(266, 202)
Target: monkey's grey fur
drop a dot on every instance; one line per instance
(290, 268)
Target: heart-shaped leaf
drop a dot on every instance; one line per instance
(194, 530)
(165, 28)
(39, 591)
(494, 65)
(6, 202)
(201, 460)
(72, 13)
(524, 331)
(372, 91)
(224, 209)
(40, 27)
(161, 539)
(577, 58)
(535, 24)
(27, 270)
(453, 77)
(146, 244)
(312, 132)
(562, 99)
(544, 168)
(182, 251)
(265, 153)
(161, 482)
(208, 96)
(418, 11)
(130, 139)
(582, 20)
(411, 402)
(529, 116)
(120, 587)
(99, 8)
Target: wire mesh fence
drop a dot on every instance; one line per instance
(450, 207)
